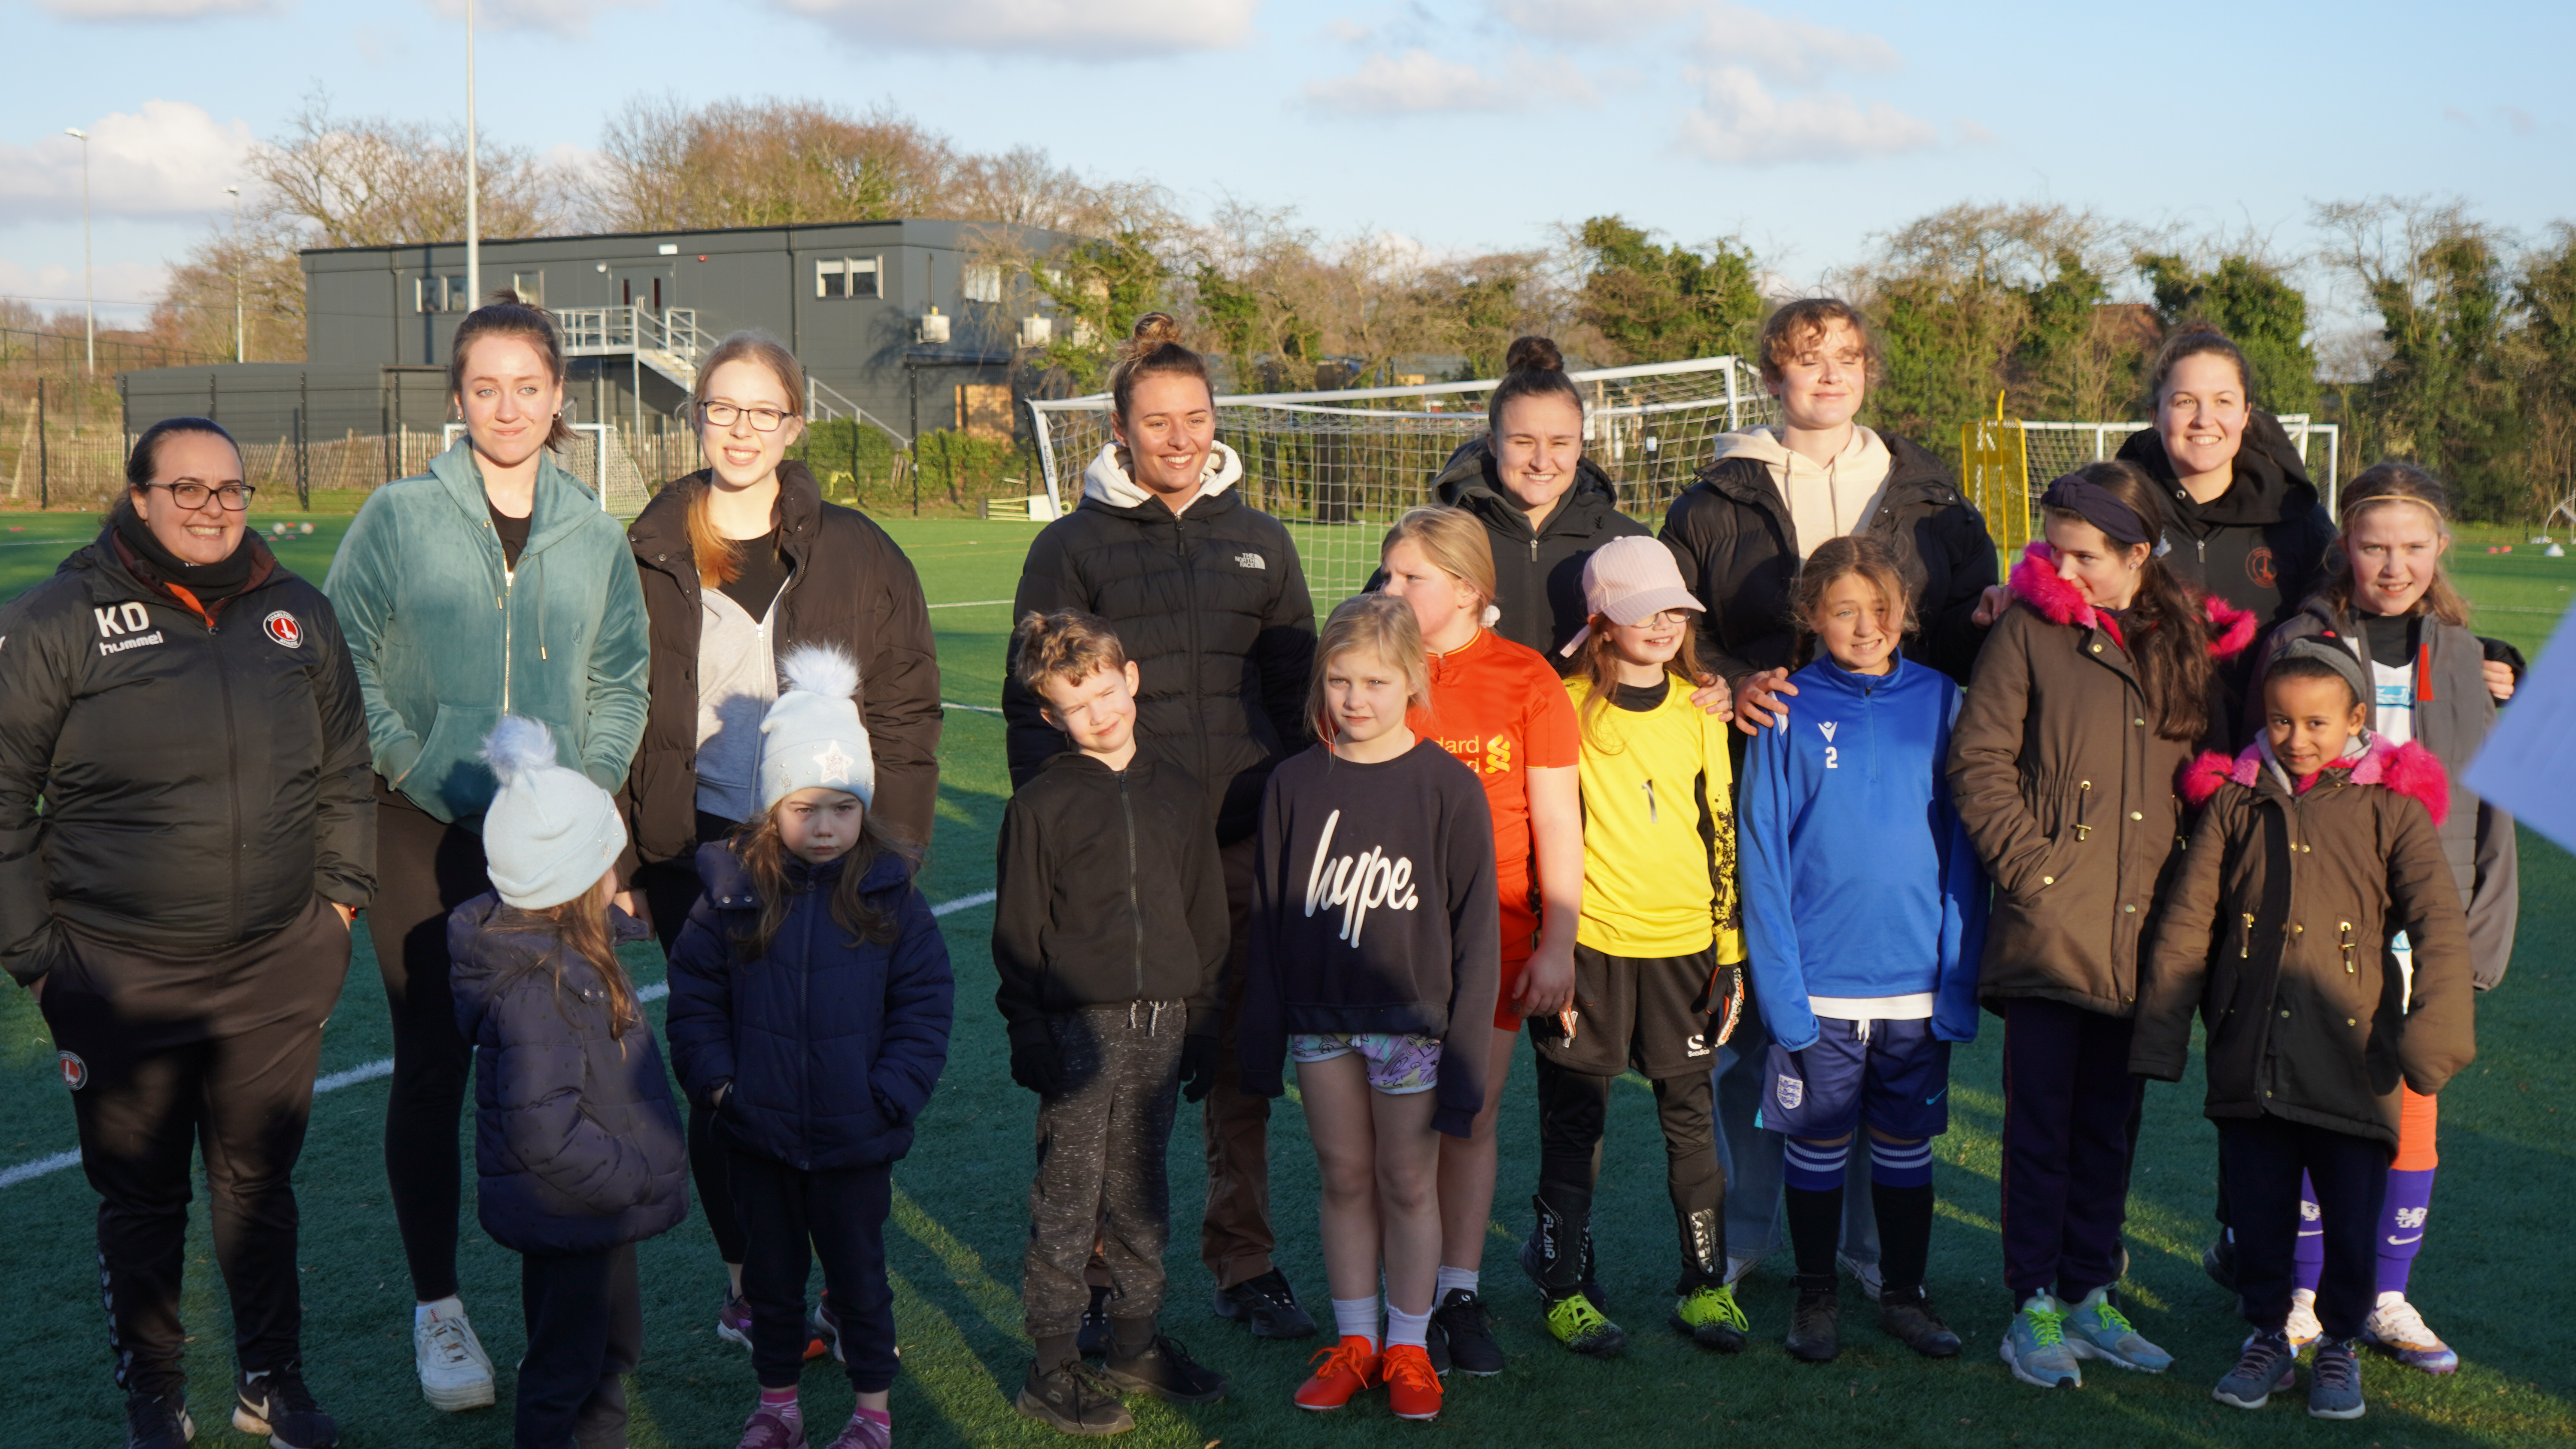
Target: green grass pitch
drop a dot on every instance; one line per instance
(2495, 1277)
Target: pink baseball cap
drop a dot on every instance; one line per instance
(1631, 579)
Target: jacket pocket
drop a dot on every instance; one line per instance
(450, 777)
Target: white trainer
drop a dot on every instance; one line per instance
(455, 1372)
(2302, 1329)
(1737, 1267)
(1865, 1274)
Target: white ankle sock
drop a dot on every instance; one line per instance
(1357, 1318)
(450, 1306)
(1453, 1278)
(1403, 1327)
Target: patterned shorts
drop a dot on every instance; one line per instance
(1399, 1063)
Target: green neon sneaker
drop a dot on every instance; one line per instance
(2035, 1346)
(1583, 1328)
(1711, 1316)
(2096, 1328)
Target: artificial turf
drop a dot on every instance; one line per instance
(2491, 1272)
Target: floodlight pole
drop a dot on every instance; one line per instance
(240, 351)
(89, 296)
(473, 248)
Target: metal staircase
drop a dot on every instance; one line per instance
(668, 341)
(823, 404)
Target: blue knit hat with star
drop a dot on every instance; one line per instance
(812, 735)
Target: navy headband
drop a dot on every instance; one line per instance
(2098, 506)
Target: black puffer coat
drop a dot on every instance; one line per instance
(1733, 536)
(1538, 572)
(1213, 610)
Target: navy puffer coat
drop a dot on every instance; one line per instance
(832, 1047)
(577, 1146)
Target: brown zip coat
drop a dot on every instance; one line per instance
(2273, 931)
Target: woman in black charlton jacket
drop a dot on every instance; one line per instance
(187, 712)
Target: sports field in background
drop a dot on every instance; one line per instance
(2496, 1277)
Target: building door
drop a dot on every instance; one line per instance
(642, 286)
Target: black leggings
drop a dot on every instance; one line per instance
(1573, 1110)
(424, 869)
(670, 888)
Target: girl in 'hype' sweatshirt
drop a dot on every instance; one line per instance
(1375, 936)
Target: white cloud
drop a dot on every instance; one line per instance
(1090, 29)
(1588, 20)
(1739, 120)
(569, 18)
(1788, 50)
(157, 9)
(2520, 119)
(121, 287)
(1420, 83)
(1970, 133)
(171, 160)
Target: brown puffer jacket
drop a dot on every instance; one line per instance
(2272, 930)
(2067, 788)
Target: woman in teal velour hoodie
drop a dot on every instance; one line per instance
(491, 584)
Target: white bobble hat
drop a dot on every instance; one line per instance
(812, 735)
(549, 833)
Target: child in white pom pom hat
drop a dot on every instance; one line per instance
(810, 1006)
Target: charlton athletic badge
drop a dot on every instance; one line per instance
(75, 1071)
(281, 626)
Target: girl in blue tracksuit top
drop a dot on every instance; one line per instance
(810, 1007)
(1864, 916)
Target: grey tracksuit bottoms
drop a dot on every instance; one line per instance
(1101, 1171)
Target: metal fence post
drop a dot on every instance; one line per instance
(303, 465)
(44, 457)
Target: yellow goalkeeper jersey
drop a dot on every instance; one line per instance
(1658, 827)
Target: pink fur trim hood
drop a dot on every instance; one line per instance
(2035, 581)
(2409, 769)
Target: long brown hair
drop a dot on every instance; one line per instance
(1599, 666)
(2393, 484)
(1835, 559)
(719, 559)
(1154, 347)
(2170, 643)
(580, 927)
(764, 853)
(506, 316)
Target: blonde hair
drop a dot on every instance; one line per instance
(1066, 645)
(2386, 485)
(1378, 624)
(1452, 541)
(1154, 347)
(1835, 558)
(719, 559)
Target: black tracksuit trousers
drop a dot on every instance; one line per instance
(670, 888)
(585, 1317)
(790, 1219)
(213, 1053)
(1573, 1113)
(1103, 1165)
(2259, 1162)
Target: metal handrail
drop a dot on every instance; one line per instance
(824, 403)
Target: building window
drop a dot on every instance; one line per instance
(440, 294)
(847, 277)
(982, 282)
(531, 287)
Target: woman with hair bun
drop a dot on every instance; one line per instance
(1544, 503)
(1206, 593)
(491, 584)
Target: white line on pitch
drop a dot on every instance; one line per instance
(967, 604)
(384, 1066)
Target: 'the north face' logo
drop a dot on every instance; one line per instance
(281, 626)
(75, 1071)
(1250, 561)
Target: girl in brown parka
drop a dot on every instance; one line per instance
(2299, 872)
(2087, 700)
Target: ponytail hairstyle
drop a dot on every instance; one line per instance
(2395, 485)
(765, 855)
(1451, 541)
(2171, 636)
(1794, 326)
(2193, 341)
(1154, 347)
(1532, 368)
(719, 559)
(506, 316)
(1378, 624)
(580, 927)
(1834, 560)
(1598, 663)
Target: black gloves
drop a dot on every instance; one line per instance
(1198, 1067)
(1038, 1066)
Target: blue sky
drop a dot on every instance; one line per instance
(1465, 124)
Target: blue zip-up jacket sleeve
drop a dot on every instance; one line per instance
(920, 1006)
(699, 1022)
(1964, 897)
(1772, 801)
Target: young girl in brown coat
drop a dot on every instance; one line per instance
(2089, 697)
(2297, 876)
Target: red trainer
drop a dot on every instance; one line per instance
(1412, 1385)
(1344, 1370)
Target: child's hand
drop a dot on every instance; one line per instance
(1198, 1068)
(1991, 605)
(1038, 1066)
(1547, 983)
(1757, 700)
(2499, 678)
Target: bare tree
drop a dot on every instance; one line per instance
(764, 163)
(373, 182)
(196, 310)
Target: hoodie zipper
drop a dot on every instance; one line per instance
(1190, 611)
(1135, 908)
(232, 782)
(509, 579)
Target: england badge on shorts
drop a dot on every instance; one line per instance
(75, 1071)
(282, 628)
(1791, 1092)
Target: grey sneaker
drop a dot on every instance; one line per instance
(2035, 1346)
(2095, 1328)
(2334, 1381)
(2266, 1366)
(1865, 1274)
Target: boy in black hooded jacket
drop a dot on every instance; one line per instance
(1110, 936)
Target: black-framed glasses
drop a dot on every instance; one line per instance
(722, 415)
(192, 495)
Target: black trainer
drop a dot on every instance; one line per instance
(1906, 1315)
(1074, 1399)
(1462, 1336)
(1815, 1325)
(277, 1404)
(153, 1422)
(1092, 1339)
(1268, 1304)
(1166, 1370)
(2218, 1260)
